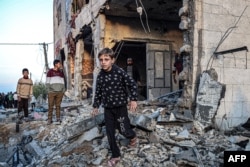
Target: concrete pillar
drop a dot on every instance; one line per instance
(98, 36)
(67, 68)
(78, 70)
(186, 50)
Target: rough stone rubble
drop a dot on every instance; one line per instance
(168, 136)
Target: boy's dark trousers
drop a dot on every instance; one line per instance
(117, 118)
(23, 105)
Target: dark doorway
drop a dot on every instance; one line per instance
(136, 51)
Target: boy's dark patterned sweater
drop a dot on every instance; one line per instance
(111, 88)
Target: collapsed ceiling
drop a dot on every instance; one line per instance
(153, 9)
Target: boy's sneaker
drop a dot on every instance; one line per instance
(49, 122)
(26, 119)
(20, 117)
(19, 121)
(58, 122)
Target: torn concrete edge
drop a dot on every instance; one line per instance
(78, 128)
(208, 97)
(174, 93)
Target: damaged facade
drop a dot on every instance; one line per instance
(208, 34)
(173, 126)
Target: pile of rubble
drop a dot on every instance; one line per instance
(167, 138)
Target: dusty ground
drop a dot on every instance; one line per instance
(7, 131)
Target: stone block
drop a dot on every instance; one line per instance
(239, 93)
(84, 125)
(207, 100)
(245, 109)
(233, 109)
(143, 122)
(221, 110)
(89, 135)
(236, 76)
(228, 93)
(35, 150)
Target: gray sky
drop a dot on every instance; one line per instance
(24, 21)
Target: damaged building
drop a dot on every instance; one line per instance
(149, 37)
(192, 125)
(210, 36)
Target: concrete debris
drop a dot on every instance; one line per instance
(167, 137)
(143, 122)
(79, 127)
(208, 98)
(191, 160)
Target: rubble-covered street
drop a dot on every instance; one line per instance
(167, 138)
(193, 100)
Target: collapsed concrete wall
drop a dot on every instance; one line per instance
(69, 20)
(208, 98)
(107, 31)
(207, 27)
(222, 26)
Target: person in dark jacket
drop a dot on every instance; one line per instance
(133, 71)
(178, 67)
(111, 93)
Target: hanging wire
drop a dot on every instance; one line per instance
(246, 59)
(226, 34)
(42, 74)
(119, 50)
(140, 17)
(145, 14)
(24, 43)
(118, 46)
(234, 59)
(224, 118)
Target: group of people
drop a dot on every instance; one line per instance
(8, 100)
(116, 92)
(55, 88)
(111, 93)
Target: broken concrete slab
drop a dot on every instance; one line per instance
(34, 148)
(89, 135)
(142, 121)
(208, 98)
(157, 146)
(187, 158)
(78, 128)
(182, 135)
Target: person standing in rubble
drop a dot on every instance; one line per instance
(178, 67)
(15, 99)
(133, 71)
(56, 87)
(33, 103)
(112, 94)
(24, 92)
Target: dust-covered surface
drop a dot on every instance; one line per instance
(167, 136)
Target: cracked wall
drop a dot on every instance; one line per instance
(207, 27)
(220, 26)
(107, 31)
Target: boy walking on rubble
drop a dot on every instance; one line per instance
(111, 92)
